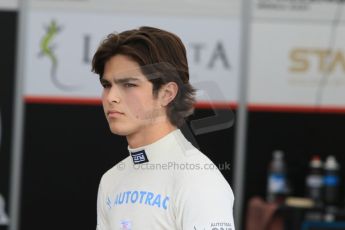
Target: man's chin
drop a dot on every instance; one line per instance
(119, 131)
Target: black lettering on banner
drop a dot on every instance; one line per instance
(219, 54)
(87, 49)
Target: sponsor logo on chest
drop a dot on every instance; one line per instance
(136, 197)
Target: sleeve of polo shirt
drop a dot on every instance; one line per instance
(205, 202)
(102, 223)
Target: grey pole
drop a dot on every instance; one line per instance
(18, 112)
(241, 124)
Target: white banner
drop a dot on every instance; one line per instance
(297, 65)
(60, 46)
(217, 8)
(280, 11)
(8, 4)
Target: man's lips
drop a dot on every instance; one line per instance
(114, 113)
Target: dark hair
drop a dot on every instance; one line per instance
(162, 58)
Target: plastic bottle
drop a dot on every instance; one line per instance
(314, 181)
(331, 182)
(277, 182)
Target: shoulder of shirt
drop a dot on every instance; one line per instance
(205, 171)
(117, 170)
(209, 181)
(190, 153)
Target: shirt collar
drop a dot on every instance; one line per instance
(152, 152)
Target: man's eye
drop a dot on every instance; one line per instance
(106, 86)
(129, 85)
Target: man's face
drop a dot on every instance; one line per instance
(127, 97)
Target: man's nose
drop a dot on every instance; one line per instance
(114, 95)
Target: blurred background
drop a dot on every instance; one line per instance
(278, 66)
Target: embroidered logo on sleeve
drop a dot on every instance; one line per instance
(125, 225)
(139, 157)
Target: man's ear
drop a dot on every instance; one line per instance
(167, 93)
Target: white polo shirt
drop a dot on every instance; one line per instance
(166, 185)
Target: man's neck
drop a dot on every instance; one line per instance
(149, 134)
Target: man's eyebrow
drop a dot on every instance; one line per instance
(119, 81)
(125, 80)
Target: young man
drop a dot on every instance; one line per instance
(165, 182)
